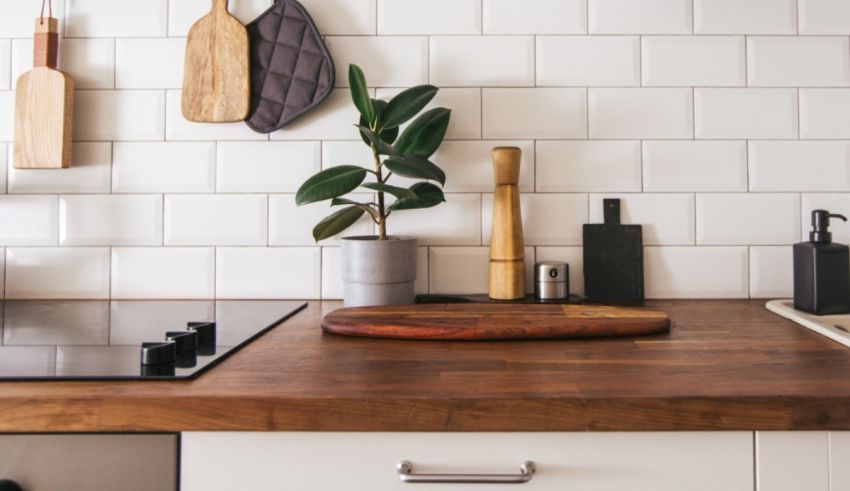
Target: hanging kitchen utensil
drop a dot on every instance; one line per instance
(216, 78)
(291, 69)
(44, 104)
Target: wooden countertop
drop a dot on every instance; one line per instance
(726, 365)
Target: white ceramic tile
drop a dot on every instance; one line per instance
(335, 17)
(575, 60)
(7, 115)
(5, 64)
(224, 219)
(149, 63)
(482, 61)
(346, 153)
(104, 115)
(783, 61)
(574, 259)
(29, 220)
(686, 60)
(86, 220)
(695, 272)
(89, 173)
(267, 273)
(418, 17)
(57, 272)
(397, 61)
(754, 219)
(183, 13)
(639, 16)
(157, 167)
(824, 16)
(640, 113)
(465, 103)
(745, 16)
(163, 272)
(332, 120)
(18, 19)
(535, 113)
(799, 166)
(469, 167)
(5, 159)
(455, 222)
(293, 225)
(547, 219)
(91, 62)
(178, 128)
(697, 166)
(667, 219)
(771, 272)
(834, 203)
(266, 167)
(535, 17)
(824, 113)
(746, 113)
(108, 18)
(458, 270)
(588, 166)
(331, 272)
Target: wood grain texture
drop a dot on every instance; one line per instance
(494, 321)
(725, 365)
(507, 248)
(216, 78)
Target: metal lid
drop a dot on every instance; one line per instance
(551, 272)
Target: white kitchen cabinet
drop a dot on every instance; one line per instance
(706, 461)
(839, 461)
(792, 461)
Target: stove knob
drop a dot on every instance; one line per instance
(187, 342)
(166, 370)
(206, 336)
(159, 353)
(7, 485)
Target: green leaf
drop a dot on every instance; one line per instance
(382, 147)
(388, 135)
(424, 135)
(407, 104)
(330, 183)
(400, 193)
(359, 93)
(363, 206)
(336, 222)
(427, 195)
(415, 167)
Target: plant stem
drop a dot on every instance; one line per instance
(382, 216)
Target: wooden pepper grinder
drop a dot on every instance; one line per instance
(507, 251)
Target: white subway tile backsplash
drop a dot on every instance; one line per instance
(783, 61)
(396, 61)
(5, 158)
(158, 167)
(835, 203)
(266, 167)
(353, 152)
(18, 19)
(183, 13)
(574, 60)
(754, 219)
(268, 272)
(149, 63)
(535, 17)
(824, 113)
(745, 16)
(458, 270)
(340, 17)
(799, 166)
(696, 166)
(107, 115)
(455, 222)
(163, 272)
(824, 16)
(588, 166)
(667, 219)
(178, 128)
(771, 272)
(534, 113)
(5, 64)
(688, 60)
(31, 220)
(91, 62)
(89, 173)
(695, 272)
(640, 16)
(640, 113)
(223, 219)
(465, 103)
(418, 17)
(574, 258)
(108, 18)
(484, 61)
(547, 219)
(57, 272)
(746, 113)
(7, 115)
(93, 220)
(469, 167)
(293, 225)
(334, 119)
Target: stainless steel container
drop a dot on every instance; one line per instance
(551, 281)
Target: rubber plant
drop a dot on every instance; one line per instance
(406, 154)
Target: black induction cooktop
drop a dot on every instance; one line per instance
(128, 339)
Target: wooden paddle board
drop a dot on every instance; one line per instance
(491, 321)
(44, 105)
(216, 78)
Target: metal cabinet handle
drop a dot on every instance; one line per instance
(526, 472)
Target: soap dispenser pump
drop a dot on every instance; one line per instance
(822, 270)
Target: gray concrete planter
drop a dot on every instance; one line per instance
(378, 272)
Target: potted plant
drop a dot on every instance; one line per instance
(381, 269)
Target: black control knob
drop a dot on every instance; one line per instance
(159, 353)
(187, 342)
(8, 485)
(206, 336)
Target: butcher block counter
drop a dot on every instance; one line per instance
(725, 365)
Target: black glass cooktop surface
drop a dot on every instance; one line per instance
(103, 340)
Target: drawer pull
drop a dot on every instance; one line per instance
(526, 472)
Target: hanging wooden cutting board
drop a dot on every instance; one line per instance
(490, 321)
(215, 78)
(44, 104)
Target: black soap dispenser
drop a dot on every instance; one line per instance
(822, 270)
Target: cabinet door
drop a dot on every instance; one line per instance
(839, 460)
(564, 461)
(792, 460)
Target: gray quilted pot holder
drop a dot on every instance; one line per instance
(291, 69)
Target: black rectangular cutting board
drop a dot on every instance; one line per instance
(613, 259)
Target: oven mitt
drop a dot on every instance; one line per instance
(291, 69)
